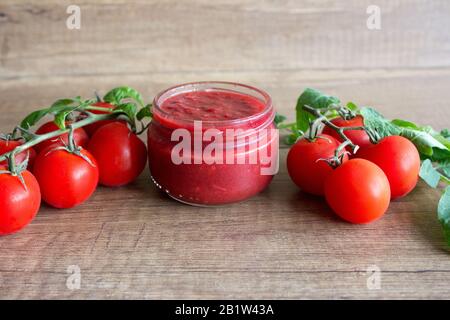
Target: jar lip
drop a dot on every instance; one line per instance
(204, 85)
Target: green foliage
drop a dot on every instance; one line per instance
(117, 96)
(444, 213)
(145, 112)
(433, 146)
(315, 99)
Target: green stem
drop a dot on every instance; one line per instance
(339, 130)
(445, 179)
(109, 110)
(320, 117)
(70, 139)
(11, 162)
(43, 137)
(287, 125)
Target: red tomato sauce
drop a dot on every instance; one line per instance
(213, 183)
(212, 105)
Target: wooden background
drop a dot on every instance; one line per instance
(133, 242)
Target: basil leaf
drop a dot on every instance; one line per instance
(443, 140)
(425, 143)
(55, 108)
(444, 213)
(31, 119)
(61, 116)
(429, 174)
(445, 167)
(430, 143)
(61, 104)
(375, 121)
(292, 138)
(145, 112)
(352, 106)
(129, 109)
(404, 124)
(445, 133)
(279, 118)
(315, 99)
(116, 95)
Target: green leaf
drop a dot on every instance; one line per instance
(445, 168)
(404, 124)
(352, 106)
(445, 133)
(279, 118)
(315, 99)
(128, 109)
(332, 114)
(291, 139)
(61, 116)
(60, 104)
(31, 119)
(444, 213)
(117, 95)
(442, 139)
(429, 174)
(426, 144)
(427, 141)
(145, 112)
(37, 115)
(376, 122)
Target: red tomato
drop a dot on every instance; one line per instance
(80, 136)
(358, 191)
(358, 137)
(9, 145)
(91, 128)
(304, 166)
(66, 179)
(400, 161)
(120, 154)
(18, 205)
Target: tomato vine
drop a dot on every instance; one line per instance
(315, 109)
(73, 113)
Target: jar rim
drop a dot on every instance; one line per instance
(217, 85)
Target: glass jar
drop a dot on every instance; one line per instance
(216, 152)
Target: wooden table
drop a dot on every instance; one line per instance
(134, 242)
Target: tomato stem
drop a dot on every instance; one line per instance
(345, 113)
(70, 139)
(36, 139)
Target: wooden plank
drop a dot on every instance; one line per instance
(138, 37)
(417, 95)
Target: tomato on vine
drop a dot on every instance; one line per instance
(80, 136)
(358, 137)
(67, 179)
(93, 127)
(400, 161)
(121, 155)
(358, 191)
(19, 200)
(7, 145)
(306, 162)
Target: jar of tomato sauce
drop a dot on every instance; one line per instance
(212, 143)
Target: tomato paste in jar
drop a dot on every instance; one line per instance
(212, 143)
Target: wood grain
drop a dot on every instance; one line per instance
(138, 37)
(134, 242)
